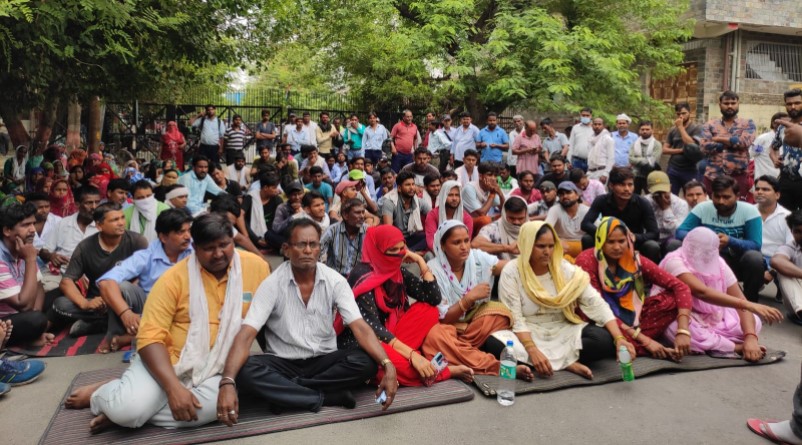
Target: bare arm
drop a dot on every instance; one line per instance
(785, 266)
(370, 344)
(484, 244)
(30, 290)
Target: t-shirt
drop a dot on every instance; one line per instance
(12, 276)
(266, 128)
(234, 138)
(674, 139)
(324, 189)
(744, 226)
(91, 260)
(568, 228)
(473, 200)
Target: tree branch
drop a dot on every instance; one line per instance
(481, 34)
(407, 13)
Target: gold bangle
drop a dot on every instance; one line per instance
(529, 343)
(459, 303)
(684, 332)
(636, 334)
(619, 338)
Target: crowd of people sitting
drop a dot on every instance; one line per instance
(453, 241)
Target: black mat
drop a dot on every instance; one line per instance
(72, 426)
(607, 371)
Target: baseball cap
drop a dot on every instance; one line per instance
(446, 117)
(547, 185)
(344, 184)
(567, 186)
(356, 175)
(657, 181)
(293, 186)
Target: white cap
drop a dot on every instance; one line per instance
(623, 117)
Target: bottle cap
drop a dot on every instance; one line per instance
(510, 343)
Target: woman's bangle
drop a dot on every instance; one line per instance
(529, 343)
(683, 332)
(619, 338)
(636, 334)
(410, 356)
(227, 381)
(459, 303)
(684, 315)
(752, 334)
(121, 313)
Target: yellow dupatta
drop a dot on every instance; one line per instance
(567, 292)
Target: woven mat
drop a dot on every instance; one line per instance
(65, 346)
(606, 371)
(72, 426)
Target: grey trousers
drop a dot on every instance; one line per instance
(135, 297)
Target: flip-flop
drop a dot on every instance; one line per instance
(761, 428)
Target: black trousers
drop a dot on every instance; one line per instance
(27, 327)
(597, 343)
(790, 191)
(748, 267)
(300, 384)
(210, 151)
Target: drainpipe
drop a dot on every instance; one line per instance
(725, 78)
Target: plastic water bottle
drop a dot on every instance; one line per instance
(505, 394)
(625, 360)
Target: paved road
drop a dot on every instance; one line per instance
(708, 407)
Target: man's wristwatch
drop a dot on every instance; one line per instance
(385, 362)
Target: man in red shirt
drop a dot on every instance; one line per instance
(405, 138)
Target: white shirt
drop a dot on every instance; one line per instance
(311, 128)
(294, 330)
(464, 178)
(567, 228)
(65, 238)
(669, 220)
(512, 160)
(775, 231)
(50, 225)
(759, 151)
(580, 141)
(240, 176)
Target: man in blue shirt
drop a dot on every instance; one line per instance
(198, 182)
(623, 139)
(464, 138)
(212, 131)
(740, 230)
(124, 299)
(493, 140)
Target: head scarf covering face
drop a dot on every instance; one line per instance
(441, 201)
(385, 278)
(700, 254)
(441, 268)
(623, 289)
(62, 206)
(568, 291)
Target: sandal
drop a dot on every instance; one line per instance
(761, 428)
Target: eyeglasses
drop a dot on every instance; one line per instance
(312, 245)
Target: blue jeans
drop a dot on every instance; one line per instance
(678, 178)
(400, 160)
(580, 163)
(373, 155)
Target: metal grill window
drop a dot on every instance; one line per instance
(773, 61)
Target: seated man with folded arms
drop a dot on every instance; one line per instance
(190, 319)
(92, 258)
(302, 368)
(125, 287)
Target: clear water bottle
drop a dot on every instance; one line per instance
(625, 361)
(505, 394)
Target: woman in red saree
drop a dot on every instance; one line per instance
(382, 289)
(62, 202)
(173, 145)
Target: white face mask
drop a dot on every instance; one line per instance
(584, 120)
(146, 207)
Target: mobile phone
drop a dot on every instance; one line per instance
(382, 398)
(439, 362)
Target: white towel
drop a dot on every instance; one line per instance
(148, 209)
(258, 224)
(414, 224)
(197, 363)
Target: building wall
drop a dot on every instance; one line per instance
(783, 13)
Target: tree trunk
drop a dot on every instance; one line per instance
(73, 124)
(19, 135)
(477, 109)
(47, 118)
(93, 127)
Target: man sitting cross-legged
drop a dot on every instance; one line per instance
(302, 367)
(125, 287)
(190, 319)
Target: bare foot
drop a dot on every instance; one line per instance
(105, 346)
(461, 372)
(99, 424)
(5, 332)
(79, 399)
(524, 372)
(580, 369)
(120, 341)
(46, 339)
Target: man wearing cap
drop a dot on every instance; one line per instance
(440, 142)
(566, 218)
(623, 139)
(539, 210)
(669, 209)
(373, 138)
(644, 155)
(357, 173)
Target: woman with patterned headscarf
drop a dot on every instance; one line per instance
(723, 321)
(622, 277)
(544, 292)
(382, 289)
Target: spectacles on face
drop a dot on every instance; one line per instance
(302, 245)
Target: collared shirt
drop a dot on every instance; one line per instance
(165, 319)
(441, 140)
(373, 138)
(622, 146)
(792, 251)
(213, 130)
(296, 330)
(296, 138)
(668, 220)
(527, 161)
(734, 159)
(594, 189)
(234, 138)
(464, 139)
(473, 198)
(512, 160)
(404, 137)
(340, 252)
(555, 144)
(637, 214)
(148, 265)
(65, 238)
(775, 231)
(50, 225)
(198, 188)
(494, 136)
(579, 141)
(12, 276)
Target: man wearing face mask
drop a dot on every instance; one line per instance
(579, 141)
(501, 236)
(141, 217)
(566, 218)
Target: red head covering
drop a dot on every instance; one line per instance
(384, 268)
(101, 180)
(65, 205)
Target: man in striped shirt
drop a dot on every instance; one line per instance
(341, 245)
(235, 138)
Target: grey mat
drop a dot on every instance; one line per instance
(72, 426)
(606, 371)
